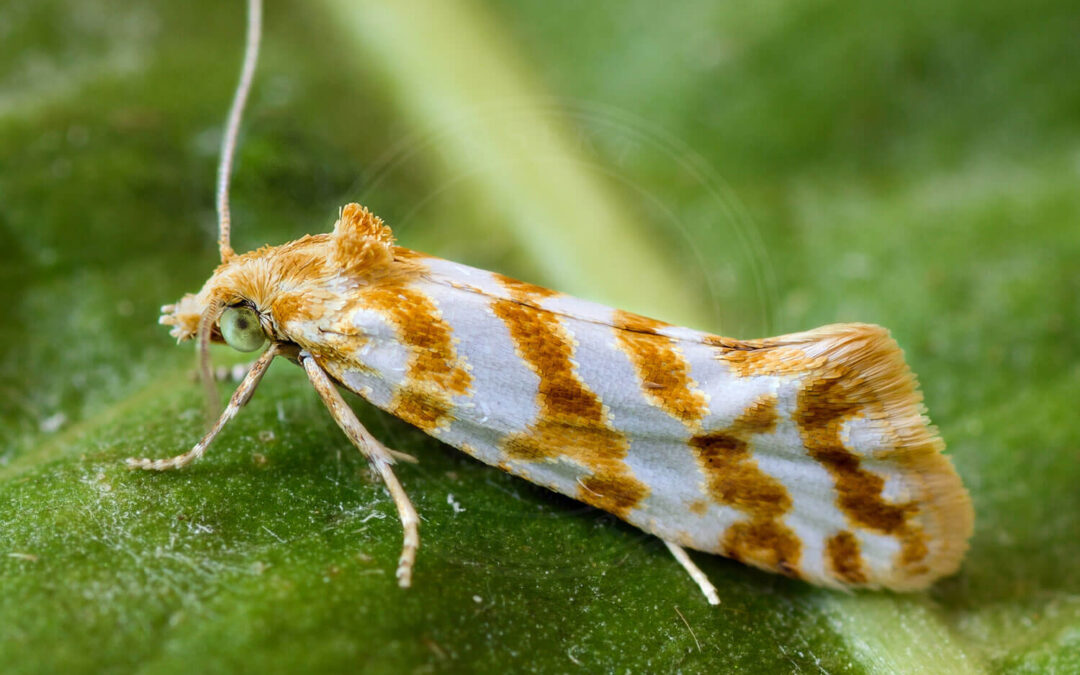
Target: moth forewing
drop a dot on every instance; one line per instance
(806, 454)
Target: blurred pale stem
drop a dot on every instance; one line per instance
(447, 60)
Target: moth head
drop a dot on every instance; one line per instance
(229, 307)
(275, 282)
(238, 324)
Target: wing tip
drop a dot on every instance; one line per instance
(874, 366)
(945, 509)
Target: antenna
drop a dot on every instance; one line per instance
(232, 129)
(228, 150)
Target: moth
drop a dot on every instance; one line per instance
(807, 454)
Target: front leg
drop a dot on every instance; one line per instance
(378, 454)
(239, 398)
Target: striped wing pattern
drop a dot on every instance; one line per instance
(806, 454)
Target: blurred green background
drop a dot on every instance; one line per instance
(746, 168)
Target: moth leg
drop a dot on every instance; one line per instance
(695, 572)
(239, 398)
(380, 457)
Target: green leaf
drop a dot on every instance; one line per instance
(749, 168)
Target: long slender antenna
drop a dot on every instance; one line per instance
(232, 129)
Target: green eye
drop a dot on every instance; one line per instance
(241, 329)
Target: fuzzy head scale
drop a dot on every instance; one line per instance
(294, 279)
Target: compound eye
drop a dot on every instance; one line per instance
(241, 329)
